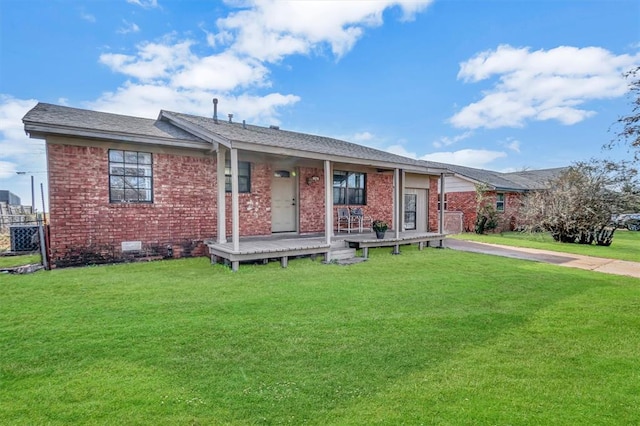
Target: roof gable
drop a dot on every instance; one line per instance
(55, 119)
(528, 180)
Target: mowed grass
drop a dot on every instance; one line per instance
(426, 337)
(25, 259)
(625, 245)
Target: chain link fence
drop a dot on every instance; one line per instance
(19, 233)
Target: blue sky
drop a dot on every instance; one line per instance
(501, 85)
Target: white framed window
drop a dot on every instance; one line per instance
(500, 202)
(130, 176)
(446, 204)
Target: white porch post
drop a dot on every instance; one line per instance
(222, 225)
(235, 209)
(396, 202)
(441, 213)
(328, 201)
(403, 175)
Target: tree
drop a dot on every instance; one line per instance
(578, 205)
(486, 214)
(630, 133)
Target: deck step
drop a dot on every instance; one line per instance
(338, 244)
(342, 253)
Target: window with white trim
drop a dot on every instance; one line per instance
(500, 202)
(445, 202)
(130, 176)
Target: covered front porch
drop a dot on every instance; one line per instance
(283, 247)
(277, 193)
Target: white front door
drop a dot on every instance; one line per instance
(283, 201)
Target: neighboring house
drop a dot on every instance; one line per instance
(9, 198)
(119, 183)
(12, 212)
(504, 190)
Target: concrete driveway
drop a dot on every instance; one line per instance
(608, 266)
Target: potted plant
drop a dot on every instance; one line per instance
(380, 226)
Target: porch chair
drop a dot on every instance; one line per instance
(345, 219)
(358, 217)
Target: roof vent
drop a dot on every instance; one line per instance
(274, 127)
(230, 118)
(215, 110)
(244, 124)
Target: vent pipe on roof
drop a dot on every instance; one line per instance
(244, 124)
(215, 110)
(230, 118)
(274, 127)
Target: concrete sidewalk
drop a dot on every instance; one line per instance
(608, 266)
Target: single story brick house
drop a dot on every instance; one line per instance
(504, 190)
(165, 185)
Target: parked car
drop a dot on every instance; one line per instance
(632, 222)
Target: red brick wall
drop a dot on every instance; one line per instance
(380, 198)
(254, 207)
(508, 220)
(86, 228)
(311, 200)
(466, 203)
(433, 204)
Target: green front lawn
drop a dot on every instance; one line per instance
(26, 259)
(426, 337)
(625, 245)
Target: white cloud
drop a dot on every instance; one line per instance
(362, 137)
(17, 151)
(260, 109)
(11, 112)
(169, 74)
(88, 17)
(512, 144)
(541, 85)
(401, 150)
(272, 29)
(221, 72)
(7, 169)
(146, 100)
(152, 60)
(146, 4)
(446, 141)
(478, 158)
(129, 27)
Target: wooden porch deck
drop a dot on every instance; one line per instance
(365, 241)
(268, 248)
(283, 247)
